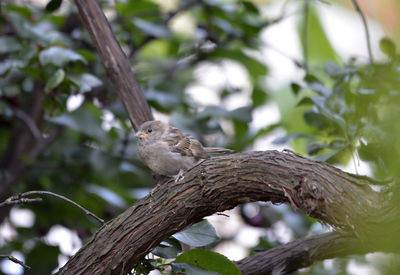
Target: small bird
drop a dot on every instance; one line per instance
(167, 151)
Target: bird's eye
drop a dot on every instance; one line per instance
(149, 130)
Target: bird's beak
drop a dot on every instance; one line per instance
(140, 134)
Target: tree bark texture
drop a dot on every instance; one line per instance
(115, 62)
(339, 199)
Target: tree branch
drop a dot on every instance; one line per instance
(115, 62)
(24, 117)
(321, 191)
(12, 201)
(304, 34)
(15, 260)
(365, 24)
(302, 253)
(21, 198)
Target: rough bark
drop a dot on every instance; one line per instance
(115, 62)
(334, 197)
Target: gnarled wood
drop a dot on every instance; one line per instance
(334, 197)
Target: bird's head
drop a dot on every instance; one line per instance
(151, 130)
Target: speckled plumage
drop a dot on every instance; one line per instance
(167, 151)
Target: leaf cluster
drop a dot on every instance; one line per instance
(355, 111)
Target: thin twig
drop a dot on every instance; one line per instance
(10, 201)
(364, 21)
(305, 35)
(24, 117)
(39, 192)
(222, 214)
(15, 260)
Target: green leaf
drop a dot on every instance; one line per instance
(129, 8)
(258, 96)
(212, 111)
(336, 71)
(319, 88)
(32, 72)
(372, 133)
(152, 29)
(9, 44)
(53, 5)
(295, 88)
(42, 33)
(9, 64)
(168, 249)
(315, 119)
(250, 7)
(387, 47)
(227, 27)
(24, 11)
(86, 82)
(314, 148)
(189, 269)
(163, 100)
(199, 234)
(55, 80)
(83, 121)
(305, 101)
(243, 114)
(208, 260)
(59, 56)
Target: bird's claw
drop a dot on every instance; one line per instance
(179, 176)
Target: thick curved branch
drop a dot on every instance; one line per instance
(115, 62)
(302, 253)
(220, 183)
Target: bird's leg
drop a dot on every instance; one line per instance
(179, 176)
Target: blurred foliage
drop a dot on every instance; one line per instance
(349, 109)
(355, 112)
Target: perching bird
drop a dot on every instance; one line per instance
(167, 151)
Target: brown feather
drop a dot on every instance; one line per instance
(186, 145)
(197, 149)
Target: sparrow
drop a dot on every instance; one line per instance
(167, 151)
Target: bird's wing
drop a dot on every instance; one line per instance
(186, 145)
